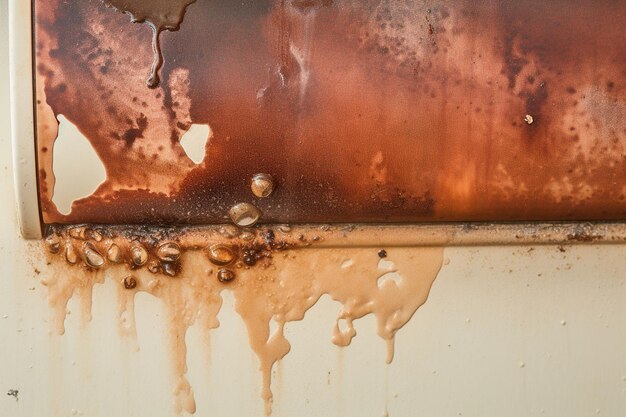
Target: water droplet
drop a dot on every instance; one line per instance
(171, 269)
(529, 119)
(53, 243)
(262, 185)
(169, 252)
(130, 283)
(225, 275)
(221, 255)
(382, 253)
(139, 255)
(114, 254)
(92, 256)
(70, 254)
(244, 214)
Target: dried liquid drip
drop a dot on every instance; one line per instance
(154, 79)
(288, 279)
(159, 15)
(139, 255)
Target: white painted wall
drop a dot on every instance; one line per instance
(507, 331)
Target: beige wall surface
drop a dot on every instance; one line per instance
(507, 331)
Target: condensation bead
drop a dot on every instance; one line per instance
(168, 252)
(114, 253)
(170, 269)
(70, 254)
(262, 185)
(139, 255)
(93, 258)
(244, 214)
(225, 275)
(221, 255)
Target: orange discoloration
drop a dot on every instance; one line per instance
(362, 111)
(287, 279)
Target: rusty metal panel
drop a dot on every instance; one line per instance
(361, 111)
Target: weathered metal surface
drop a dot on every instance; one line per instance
(361, 111)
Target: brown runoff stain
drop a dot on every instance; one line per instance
(289, 277)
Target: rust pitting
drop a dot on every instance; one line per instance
(130, 283)
(445, 126)
(583, 236)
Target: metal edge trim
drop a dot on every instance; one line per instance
(408, 235)
(22, 118)
(476, 234)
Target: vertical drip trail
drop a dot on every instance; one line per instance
(179, 323)
(279, 289)
(284, 38)
(62, 286)
(287, 289)
(154, 79)
(127, 326)
(159, 15)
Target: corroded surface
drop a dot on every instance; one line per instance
(360, 110)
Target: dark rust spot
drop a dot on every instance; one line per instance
(130, 283)
(225, 275)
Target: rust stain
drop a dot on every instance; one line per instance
(361, 111)
(287, 278)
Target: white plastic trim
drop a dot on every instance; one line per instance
(22, 117)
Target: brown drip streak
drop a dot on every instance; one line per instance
(160, 15)
(285, 282)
